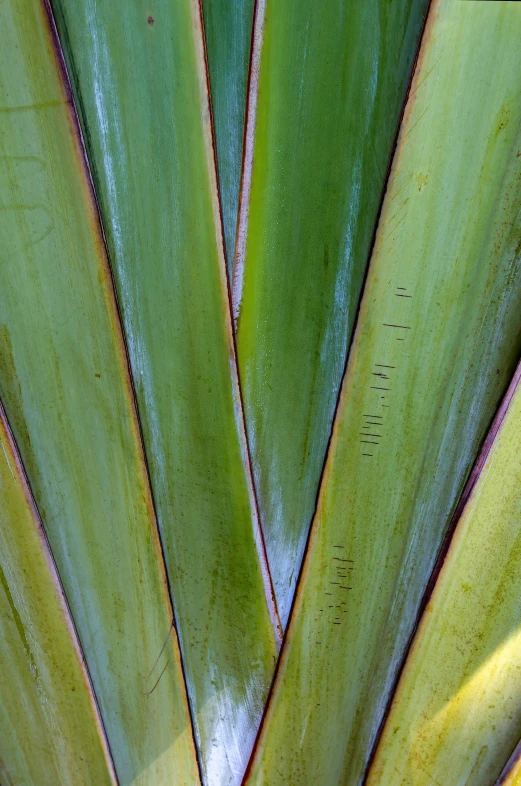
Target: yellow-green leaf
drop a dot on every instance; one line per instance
(50, 732)
(511, 775)
(66, 389)
(456, 715)
(140, 81)
(437, 340)
(327, 87)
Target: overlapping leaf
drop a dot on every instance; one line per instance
(326, 91)
(140, 81)
(456, 715)
(228, 28)
(65, 386)
(49, 727)
(511, 775)
(438, 337)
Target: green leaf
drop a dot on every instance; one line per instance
(511, 775)
(49, 727)
(228, 28)
(436, 343)
(140, 80)
(455, 717)
(66, 389)
(328, 84)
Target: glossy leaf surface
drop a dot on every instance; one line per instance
(437, 339)
(327, 88)
(50, 734)
(65, 386)
(456, 715)
(148, 135)
(228, 28)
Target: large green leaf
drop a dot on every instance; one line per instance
(438, 336)
(65, 385)
(456, 715)
(140, 80)
(327, 87)
(50, 732)
(228, 28)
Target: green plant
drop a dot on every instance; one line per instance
(280, 490)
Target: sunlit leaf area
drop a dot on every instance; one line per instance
(260, 393)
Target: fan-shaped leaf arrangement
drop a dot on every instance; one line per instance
(260, 317)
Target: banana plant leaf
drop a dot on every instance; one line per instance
(456, 715)
(148, 136)
(437, 340)
(66, 389)
(326, 90)
(45, 693)
(228, 29)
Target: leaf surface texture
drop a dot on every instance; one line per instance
(436, 343)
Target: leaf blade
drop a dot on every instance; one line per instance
(459, 702)
(49, 725)
(149, 140)
(228, 36)
(65, 385)
(425, 368)
(318, 144)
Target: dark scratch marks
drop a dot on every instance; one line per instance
(163, 647)
(411, 129)
(341, 568)
(396, 226)
(420, 83)
(157, 681)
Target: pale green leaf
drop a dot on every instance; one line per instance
(327, 87)
(456, 714)
(50, 732)
(437, 340)
(140, 81)
(66, 389)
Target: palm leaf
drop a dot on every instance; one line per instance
(318, 146)
(455, 717)
(66, 390)
(440, 308)
(364, 417)
(154, 171)
(228, 27)
(46, 694)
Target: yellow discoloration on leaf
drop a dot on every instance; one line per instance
(50, 733)
(440, 306)
(458, 703)
(78, 433)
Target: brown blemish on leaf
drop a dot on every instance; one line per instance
(151, 20)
